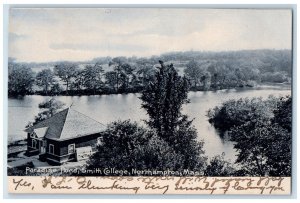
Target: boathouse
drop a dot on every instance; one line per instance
(66, 136)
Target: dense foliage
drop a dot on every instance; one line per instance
(45, 79)
(204, 70)
(218, 166)
(20, 79)
(163, 99)
(172, 141)
(92, 77)
(127, 146)
(66, 72)
(238, 112)
(261, 131)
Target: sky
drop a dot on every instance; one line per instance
(79, 34)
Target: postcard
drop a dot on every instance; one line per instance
(150, 101)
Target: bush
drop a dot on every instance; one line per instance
(283, 113)
(277, 77)
(238, 112)
(127, 146)
(218, 166)
(261, 132)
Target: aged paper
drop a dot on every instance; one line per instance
(151, 185)
(150, 101)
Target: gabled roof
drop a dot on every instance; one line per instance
(68, 124)
(41, 132)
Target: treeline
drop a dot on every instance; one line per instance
(261, 131)
(237, 69)
(67, 78)
(106, 75)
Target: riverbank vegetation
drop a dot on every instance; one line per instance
(261, 131)
(106, 75)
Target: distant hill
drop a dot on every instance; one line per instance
(264, 60)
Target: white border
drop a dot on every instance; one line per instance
(209, 3)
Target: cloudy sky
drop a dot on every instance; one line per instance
(52, 34)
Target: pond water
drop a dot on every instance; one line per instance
(108, 108)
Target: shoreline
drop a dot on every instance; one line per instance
(85, 93)
(280, 86)
(16, 147)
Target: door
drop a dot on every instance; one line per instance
(43, 145)
(71, 148)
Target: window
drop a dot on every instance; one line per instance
(100, 141)
(33, 143)
(32, 135)
(51, 149)
(71, 148)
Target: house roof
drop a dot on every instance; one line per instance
(68, 124)
(41, 132)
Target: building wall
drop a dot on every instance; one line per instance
(53, 159)
(61, 154)
(90, 140)
(56, 146)
(58, 160)
(30, 150)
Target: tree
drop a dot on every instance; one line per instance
(279, 151)
(212, 69)
(93, 77)
(127, 146)
(45, 79)
(78, 80)
(66, 71)
(218, 166)
(163, 99)
(145, 71)
(280, 156)
(261, 132)
(126, 75)
(276, 77)
(238, 112)
(111, 80)
(264, 149)
(51, 106)
(123, 73)
(193, 72)
(117, 63)
(206, 80)
(56, 88)
(283, 113)
(20, 79)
